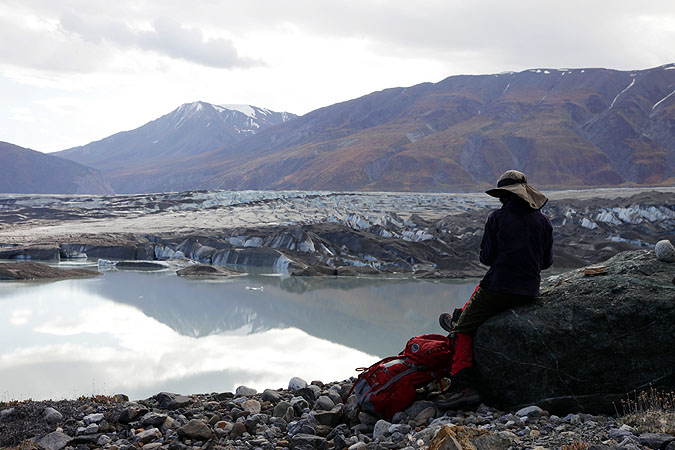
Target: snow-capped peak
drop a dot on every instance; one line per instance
(244, 109)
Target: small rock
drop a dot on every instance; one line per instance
(6, 413)
(131, 413)
(271, 396)
(195, 429)
(656, 440)
(151, 446)
(530, 411)
(308, 442)
(149, 435)
(243, 391)
(296, 383)
(284, 410)
(665, 251)
(103, 440)
(316, 390)
(618, 434)
(324, 403)
(381, 427)
(171, 401)
(330, 418)
(422, 418)
(52, 416)
(358, 446)
(252, 406)
(153, 419)
(54, 441)
(238, 429)
(93, 418)
(302, 426)
(223, 426)
(367, 419)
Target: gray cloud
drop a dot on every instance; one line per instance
(167, 37)
(36, 49)
(470, 36)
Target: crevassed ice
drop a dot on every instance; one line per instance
(635, 215)
(588, 224)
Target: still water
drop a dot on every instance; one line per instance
(140, 333)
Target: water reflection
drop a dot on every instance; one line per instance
(140, 333)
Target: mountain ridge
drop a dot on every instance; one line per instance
(562, 127)
(26, 171)
(188, 130)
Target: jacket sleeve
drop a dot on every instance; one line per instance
(548, 249)
(488, 245)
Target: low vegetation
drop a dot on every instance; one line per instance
(651, 411)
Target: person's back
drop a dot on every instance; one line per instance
(517, 246)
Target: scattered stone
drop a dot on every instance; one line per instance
(271, 396)
(381, 427)
(52, 416)
(153, 419)
(149, 435)
(665, 251)
(302, 441)
(324, 403)
(54, 441)
(243, 391)
(195, 429)
(93, 418)
(224, 421)
(132, 412)
(296, 383)
(252, 406)
(656, 440)
(168, 400)
(530, 411)
(238, 429)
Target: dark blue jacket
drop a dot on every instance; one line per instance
(517, 245)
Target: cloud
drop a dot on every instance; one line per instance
(166, 37)
(170, 38)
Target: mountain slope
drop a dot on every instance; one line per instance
(190, 130)
(30, 172)
(563, 128)
(582, 127)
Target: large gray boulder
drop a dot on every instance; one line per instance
(594, 335)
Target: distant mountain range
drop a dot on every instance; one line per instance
(190, 130)
(29, 172)
(563, 128)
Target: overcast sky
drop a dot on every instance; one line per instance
(75, 71)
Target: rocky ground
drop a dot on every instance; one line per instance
(27, 270)
(314, 416)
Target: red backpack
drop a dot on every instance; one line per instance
(389, 385)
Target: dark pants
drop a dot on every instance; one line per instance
(482, 305)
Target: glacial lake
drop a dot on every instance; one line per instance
(143, 332)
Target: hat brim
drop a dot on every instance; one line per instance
(532, 196)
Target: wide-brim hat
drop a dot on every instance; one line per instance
(516, 182)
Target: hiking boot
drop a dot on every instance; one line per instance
(465, 397)
(446, 322)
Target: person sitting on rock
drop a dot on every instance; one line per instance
(517, 245)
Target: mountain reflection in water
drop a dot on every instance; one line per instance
(143, 332)
(375, 316)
